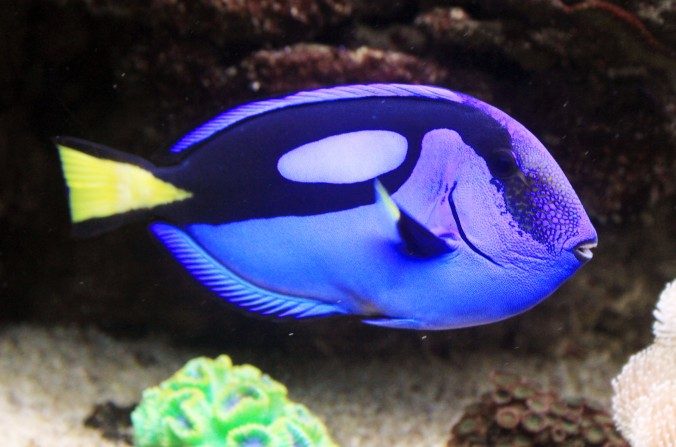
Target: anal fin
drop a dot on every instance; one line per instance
(232, 287)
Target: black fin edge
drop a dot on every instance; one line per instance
(101, 151)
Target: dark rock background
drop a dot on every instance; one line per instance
(595, 80)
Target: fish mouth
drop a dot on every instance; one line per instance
(456, 217)
(583, 250)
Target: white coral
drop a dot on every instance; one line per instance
(644, 400)
(655, 422)
(644, 369)
(664, 327)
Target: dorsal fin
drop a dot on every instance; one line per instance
(230, 117)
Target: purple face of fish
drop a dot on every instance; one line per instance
(506, 202)
(534, 212)
(271, 206)
(513, 207)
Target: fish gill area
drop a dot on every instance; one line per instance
(594, 80)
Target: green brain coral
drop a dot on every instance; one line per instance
(213, 403)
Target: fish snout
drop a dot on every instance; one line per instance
(582, 244)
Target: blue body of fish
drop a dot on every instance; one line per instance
(410, 206)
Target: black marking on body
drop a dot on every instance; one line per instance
(233, 175)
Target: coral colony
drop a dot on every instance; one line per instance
(644, 401)
(211, 403)
(518, 413)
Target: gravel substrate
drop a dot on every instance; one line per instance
(51, 378)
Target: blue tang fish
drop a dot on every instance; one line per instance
(410, 206)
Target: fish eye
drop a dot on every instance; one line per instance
(502, 163)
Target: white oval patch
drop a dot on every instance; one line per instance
(346, 158)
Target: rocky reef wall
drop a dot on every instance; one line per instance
(593, 79)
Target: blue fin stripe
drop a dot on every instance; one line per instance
(240, 113)
(231, 287)
(396, 323)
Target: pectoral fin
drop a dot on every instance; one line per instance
(417, 239)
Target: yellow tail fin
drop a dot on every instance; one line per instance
(100, 187)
